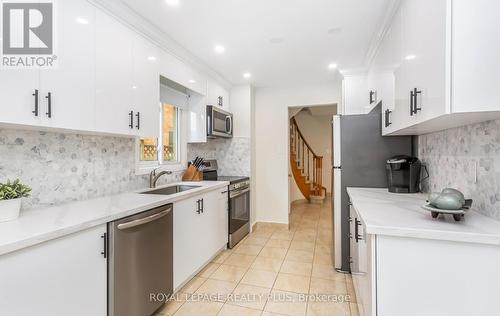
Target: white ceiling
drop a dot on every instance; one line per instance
(311, 35)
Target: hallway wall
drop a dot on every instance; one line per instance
(271, 143)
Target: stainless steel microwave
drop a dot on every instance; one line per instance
(219, 122)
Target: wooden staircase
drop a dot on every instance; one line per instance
(307, 167)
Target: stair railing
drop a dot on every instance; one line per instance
(307, 160)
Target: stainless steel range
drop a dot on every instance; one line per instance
(239, 201)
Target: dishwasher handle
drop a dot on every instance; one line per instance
(144, 220)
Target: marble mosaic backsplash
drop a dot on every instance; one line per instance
(232, 154)
(453, 155)
(64, 167)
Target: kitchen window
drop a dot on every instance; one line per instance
(169, 148)
(168, 142)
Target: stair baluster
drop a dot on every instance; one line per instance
(307, 167)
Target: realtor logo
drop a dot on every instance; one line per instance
(28, 34)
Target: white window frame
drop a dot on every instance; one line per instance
(145, 167)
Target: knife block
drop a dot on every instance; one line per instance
(192, 174)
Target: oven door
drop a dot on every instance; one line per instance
(239, 214)
(221, 123)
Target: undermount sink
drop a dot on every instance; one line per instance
(172, 189)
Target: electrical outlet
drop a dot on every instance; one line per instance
(472, 171)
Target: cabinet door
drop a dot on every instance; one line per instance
(475, 56)
(18, 91)
(197, 118)
(114, 84)
(146, 87)
(425, 58)
(401, 112)
(355, 95)
(214, 91)
(216, 217)
(52, 278)
(188, 240)
(72, 83)
(223, 217)
(388, 60)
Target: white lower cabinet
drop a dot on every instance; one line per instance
(200, 232)
(222, 216)
(65, 276)
(362, 248)
(396, 276)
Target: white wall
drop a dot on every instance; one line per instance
(317, 132)
(271, 143)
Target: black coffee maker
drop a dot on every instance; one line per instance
(403, 174)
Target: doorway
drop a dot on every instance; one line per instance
(310, 154)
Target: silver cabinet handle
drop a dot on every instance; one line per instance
(144, 220)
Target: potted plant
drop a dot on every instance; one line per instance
(10, 199)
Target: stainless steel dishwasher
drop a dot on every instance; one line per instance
(140, 263)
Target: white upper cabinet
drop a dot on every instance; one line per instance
(475, 55)
(114, 72)
(174, 69)
(355, 94)
(146, 87)
(67, 92)
(424, 67)
(106, 81)
(444, 65)
(197, 119)
(214, 94)
(20, 95)
(217, 95)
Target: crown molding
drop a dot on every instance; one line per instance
(381, 30)
(132, 19)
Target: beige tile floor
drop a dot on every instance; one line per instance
(273, 259)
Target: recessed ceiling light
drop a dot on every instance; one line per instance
(151, 58)
(134, 87)
(219, 49)
(191, 81)
(247, 75)
(82, 20)
(410, 57)
(172, 3)
(332, 66)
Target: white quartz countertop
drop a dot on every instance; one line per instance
(40, 225)
(385, 213)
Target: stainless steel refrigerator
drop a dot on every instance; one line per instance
(359, 155)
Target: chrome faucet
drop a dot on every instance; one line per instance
(153, 177)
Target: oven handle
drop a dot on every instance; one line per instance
(237, 193)
(144, 220)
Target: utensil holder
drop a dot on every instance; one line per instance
(192, 174)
